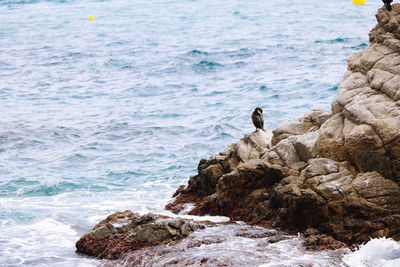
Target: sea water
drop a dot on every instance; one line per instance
(114, 113)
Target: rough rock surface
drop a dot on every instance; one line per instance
(126, 231)
(316, 241)
(336, 171)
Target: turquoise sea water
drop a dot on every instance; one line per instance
(115, 113)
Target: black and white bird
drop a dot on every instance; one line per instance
(257, 118)
(387, 4)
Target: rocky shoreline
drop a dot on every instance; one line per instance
(336, 171)
(332, 175)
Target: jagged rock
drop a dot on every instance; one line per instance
(315, 241)
(127, 231)
(310, 122)
(246, 178)
(336, 171)
(251, 145)
(306, 145)
(210, 171)
(286, 151)
(330, 143)
(377, 190)
(287, 129)
(316, 116)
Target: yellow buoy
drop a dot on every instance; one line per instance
(359, 2)
(91, 17)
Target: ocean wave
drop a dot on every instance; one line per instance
(206, 66)
(383, 252)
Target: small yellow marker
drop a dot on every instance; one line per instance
(91, 17)
(359, 2)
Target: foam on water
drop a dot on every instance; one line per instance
(381, 252)
(234, 245)
(214, 219)
(29, 245)
(115, 113)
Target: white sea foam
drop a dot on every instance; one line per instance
(214, 219)
(187, 207)
(45, 243)
(378, 252)
(235, 245)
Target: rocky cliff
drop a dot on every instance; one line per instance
(337, 171)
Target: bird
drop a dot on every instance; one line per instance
(387, 4)
(257, 118)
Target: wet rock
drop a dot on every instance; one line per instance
(316, 241)
(252, 246)
(277, 238)
(127, 231)
(176, 224)
(249, 233)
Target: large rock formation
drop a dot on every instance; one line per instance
(337, 171)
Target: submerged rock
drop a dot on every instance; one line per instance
(336, 171)
(127, 231)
